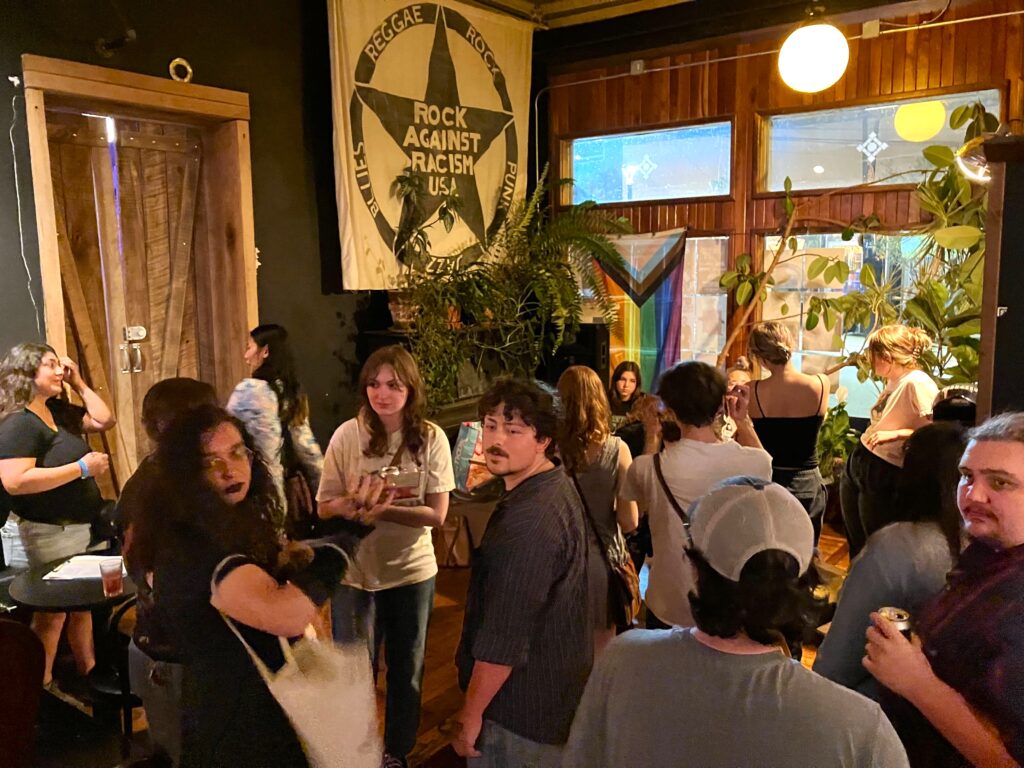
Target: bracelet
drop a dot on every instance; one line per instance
(84, 467)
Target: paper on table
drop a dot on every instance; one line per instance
(80, 567)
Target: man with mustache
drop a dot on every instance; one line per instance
(956, 691)
(526, 645)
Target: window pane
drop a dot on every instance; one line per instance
(891, 257)
(843, 147)
(704, 305)
(653, 165)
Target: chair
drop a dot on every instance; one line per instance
(21, 670)
(109, 682)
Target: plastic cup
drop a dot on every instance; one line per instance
(113, 578)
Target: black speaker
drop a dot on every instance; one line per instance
(589, 348)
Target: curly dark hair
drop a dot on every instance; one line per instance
(194, 508)
(532, 401)
(771, 598)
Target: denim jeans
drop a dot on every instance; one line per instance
(500, 748)
(399, 618)
(158, 684)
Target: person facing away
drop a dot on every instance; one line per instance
(788, 409)
(693, 393)
(872, 471)
(526, 646)
(904, 564)
(597, 462)
(725, 693)
(154, 663)
(276, 413)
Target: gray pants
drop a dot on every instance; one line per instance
(500, 748)
(158, 684)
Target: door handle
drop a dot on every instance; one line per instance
(126, 365)
(136, 355)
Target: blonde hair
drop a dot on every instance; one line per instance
(901, 344)
(586, 415)
(771, 342)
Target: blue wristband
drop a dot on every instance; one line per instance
(84, 467)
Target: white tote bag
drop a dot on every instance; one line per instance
(327, 692)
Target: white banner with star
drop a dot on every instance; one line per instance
(441, 90)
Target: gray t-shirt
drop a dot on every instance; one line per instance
(661, 698)
(903, 565)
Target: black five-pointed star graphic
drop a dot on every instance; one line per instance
(396, 113)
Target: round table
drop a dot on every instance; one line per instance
(30, 590)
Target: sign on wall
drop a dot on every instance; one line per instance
(439, 89)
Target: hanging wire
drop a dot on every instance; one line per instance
(932, 20)
(17, 195)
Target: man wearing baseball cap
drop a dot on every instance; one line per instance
(725, 693)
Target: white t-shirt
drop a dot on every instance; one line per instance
(906, 403)
(393, 555)
(690, 468)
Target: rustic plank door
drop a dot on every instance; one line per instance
(125, 195)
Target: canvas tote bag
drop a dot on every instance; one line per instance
(326, 690)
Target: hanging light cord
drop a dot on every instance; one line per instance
(21, 229)
(932, 20)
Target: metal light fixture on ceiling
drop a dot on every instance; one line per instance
(814, 56)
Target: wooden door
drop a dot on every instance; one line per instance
(125, 196)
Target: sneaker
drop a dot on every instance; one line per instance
(393, 761)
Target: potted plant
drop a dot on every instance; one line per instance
(500, 306)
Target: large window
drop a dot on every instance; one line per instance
(820, 349)
(844, 147)
(669, 164)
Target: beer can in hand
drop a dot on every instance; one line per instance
(899, 617)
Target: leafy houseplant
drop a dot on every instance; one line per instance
(945, 296)
(836, 439)
(502, 305)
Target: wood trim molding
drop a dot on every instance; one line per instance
(46, 220)
(103, 84)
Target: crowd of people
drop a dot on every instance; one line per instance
(242, 538)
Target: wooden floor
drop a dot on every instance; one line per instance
(441, 695)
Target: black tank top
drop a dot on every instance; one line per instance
(791, 440)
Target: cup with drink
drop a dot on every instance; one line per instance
(112, 574)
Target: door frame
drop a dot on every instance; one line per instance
(227, 307)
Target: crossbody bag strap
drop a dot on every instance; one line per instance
(588, 518)
(670, 496)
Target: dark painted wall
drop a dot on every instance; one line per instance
(277, 52)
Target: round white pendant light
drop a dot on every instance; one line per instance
(813, 58)
(920, 121)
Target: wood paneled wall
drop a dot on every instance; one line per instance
(976, 54)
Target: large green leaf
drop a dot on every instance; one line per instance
(744, 293)
(817, 266)
(939, 156)
(958, 238)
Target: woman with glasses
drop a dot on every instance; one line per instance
(216, 558)
(49, 470)
(388, 593)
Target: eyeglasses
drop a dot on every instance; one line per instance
(237, 455)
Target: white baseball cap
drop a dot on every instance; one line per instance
(742, 516)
